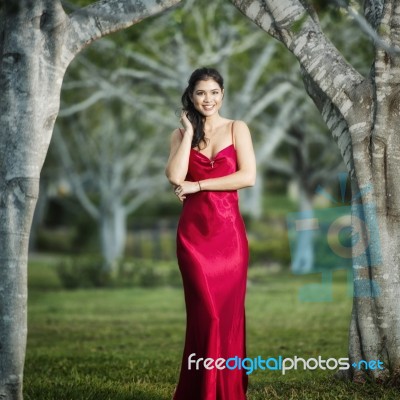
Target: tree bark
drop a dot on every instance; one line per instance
(37, 42)
(303, 257)
(112, 226)
(363, 115)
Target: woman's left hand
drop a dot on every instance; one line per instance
(186, 187)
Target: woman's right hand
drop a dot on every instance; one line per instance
(186, 187)
(187, 125)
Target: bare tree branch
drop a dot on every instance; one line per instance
(373, 10)
(294, 25)
(107, 16)
(75, 180)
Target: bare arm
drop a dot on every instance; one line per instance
(245, 176)
(178, 161)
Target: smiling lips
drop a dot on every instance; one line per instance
(208, 108)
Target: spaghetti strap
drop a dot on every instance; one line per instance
(233, 138)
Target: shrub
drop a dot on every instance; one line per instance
(269, 250)
(88, 272)
(150, 277)
(55, 240)
(174, 277)
(268, 242)
(83, 272)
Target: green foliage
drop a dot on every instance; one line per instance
(156, 209)
(269, 250)
(346, 34)
(88, 272)
(298, 24)
(268, 242)
(261, 275)
(329, 7)
(383, 30)
(42, 273)
(147, 273)
(175, 277)
(83, 272)
(55, 240)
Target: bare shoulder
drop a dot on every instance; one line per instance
(244, 146)
(240, 129)
(239, 125)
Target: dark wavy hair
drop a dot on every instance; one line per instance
(197, 119)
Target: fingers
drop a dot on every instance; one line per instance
(183, 115)
(179, 193)
(187, 187)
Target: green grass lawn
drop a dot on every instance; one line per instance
(125, 344)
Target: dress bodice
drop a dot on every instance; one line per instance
(201, 167)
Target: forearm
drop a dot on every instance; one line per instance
(237, 180)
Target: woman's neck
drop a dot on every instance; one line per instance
(212, 122)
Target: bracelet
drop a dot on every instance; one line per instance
(199, 185)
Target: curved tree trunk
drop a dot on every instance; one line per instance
(37, 42)
(363, 115)
(30, 82)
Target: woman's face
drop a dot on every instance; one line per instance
(207, 97)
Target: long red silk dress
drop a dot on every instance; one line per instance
(212, 252)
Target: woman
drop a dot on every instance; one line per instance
(210, 159)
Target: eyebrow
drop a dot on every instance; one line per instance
(211, 90)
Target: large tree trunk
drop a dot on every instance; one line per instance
(37, 42)
(17, 203)
(30, 82)
(363, 115)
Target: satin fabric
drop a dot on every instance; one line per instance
(212, 252)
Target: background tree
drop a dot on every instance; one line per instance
(111, 162)
(38, 40)
(362, 113)
(306, 159)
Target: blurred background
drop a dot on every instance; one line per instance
(105, 201)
